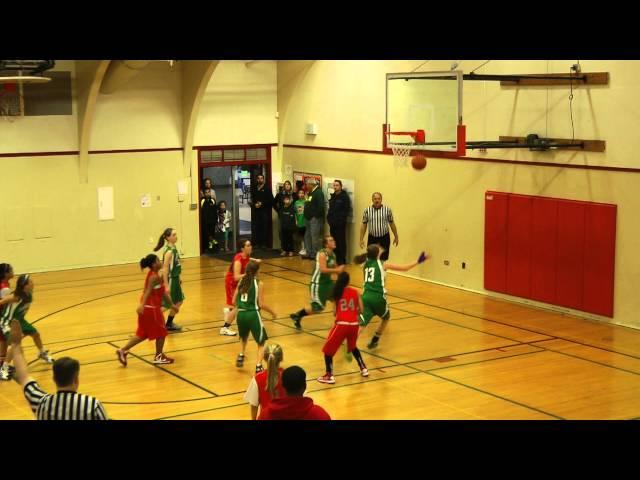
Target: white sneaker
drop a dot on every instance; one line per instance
(4, 372)
(302, 252)
(44, 355)
(162, 359)
(364, 372)
(227, 331)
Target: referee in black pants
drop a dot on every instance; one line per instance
(379, 219)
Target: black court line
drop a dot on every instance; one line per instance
(168, 371)
(82, 303)
(483, 361)
(204, 277)
(127, 275)
(308, 381)
(495, 396)
(161, 402)
(106, 296)
(526, 329)
(202, 411)
(588, 359)
(379, 356)
(466, 327)
(431, 318)
(113, 295)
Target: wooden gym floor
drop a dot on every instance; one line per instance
(447, 354)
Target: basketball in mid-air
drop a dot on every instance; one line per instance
(419, 162)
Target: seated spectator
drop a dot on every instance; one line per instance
(294, 406)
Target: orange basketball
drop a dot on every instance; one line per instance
(418, 162)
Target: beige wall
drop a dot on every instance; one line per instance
(146, 112)
(53, 204)
(442, 207)
(240, 104)
(49, 220)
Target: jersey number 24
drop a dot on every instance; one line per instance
(344, 306)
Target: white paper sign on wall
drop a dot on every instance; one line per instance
(105, 203)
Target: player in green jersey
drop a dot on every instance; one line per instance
(374, 296)
(171, 271)
(321, 284)
(16, 306)
(249, 300)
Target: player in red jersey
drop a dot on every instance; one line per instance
(266, 385)
(348, 304)
(6, 274)
(231, 280)
(150, 319)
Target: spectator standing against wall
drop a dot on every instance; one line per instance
(339, 209)
(287, 217)
(298, 205)
(314, 215)
(278, 202)
(261, 202)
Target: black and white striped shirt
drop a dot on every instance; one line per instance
(378, 220)
(62, 405)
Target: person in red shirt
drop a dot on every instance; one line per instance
(348, 304)
(231, 280)
(6, 274)
(294, 406)
(150, 319)
(266, 385)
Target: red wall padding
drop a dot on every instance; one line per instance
(600, 250)
(570, 254)
(544, 249)
(519, 246)
(551, 250)
(495, 241)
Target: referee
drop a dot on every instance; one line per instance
(379, 218)
(66, 403)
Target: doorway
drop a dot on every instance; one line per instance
(231, 181)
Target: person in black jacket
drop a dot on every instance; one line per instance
(261, 201)
(314, 216)
(278, 202)
(287, 216)
(209, 217)
(339, 209)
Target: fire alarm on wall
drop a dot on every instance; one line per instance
(311, 129)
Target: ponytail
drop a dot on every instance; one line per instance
(358, 259)
(148, 261)
(22, 282)
(273, 356)
(249, 275)
(371, 254)
(166, 234)
(341, 283)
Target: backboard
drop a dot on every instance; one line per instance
(429, 102)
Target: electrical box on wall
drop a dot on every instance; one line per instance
(311, 129)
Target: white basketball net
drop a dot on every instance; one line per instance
(401, 150)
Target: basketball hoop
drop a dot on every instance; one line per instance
(402, 150)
